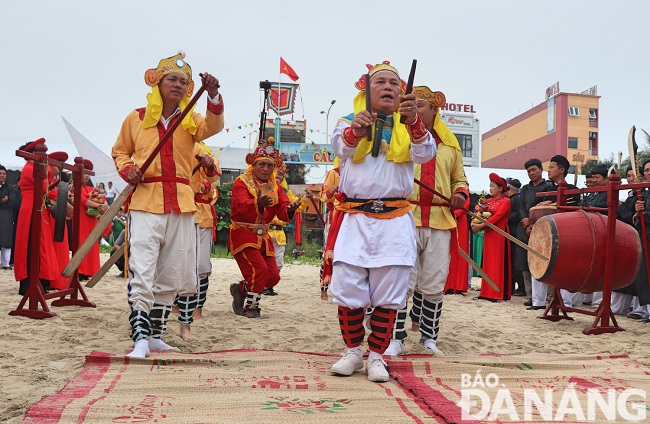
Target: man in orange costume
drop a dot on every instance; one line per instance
(162, 233)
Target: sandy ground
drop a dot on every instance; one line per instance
(39, 356)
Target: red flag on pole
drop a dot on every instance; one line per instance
(287, 70)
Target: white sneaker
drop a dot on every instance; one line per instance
(430, 347)
(376, 370)
(351, 362)
(395, 348)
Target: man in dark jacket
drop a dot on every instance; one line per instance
(8, 200)
(514, 221)
(528, 200)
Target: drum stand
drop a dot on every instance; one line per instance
(605, 321)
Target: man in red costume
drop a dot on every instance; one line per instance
(436, 224)
(162, 234)
(256, 200)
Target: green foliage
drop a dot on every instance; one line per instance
(586, 166)
(219, 251)
(105, 249)
(222, 208)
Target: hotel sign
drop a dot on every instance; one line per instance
(458, 107)
(459, 121)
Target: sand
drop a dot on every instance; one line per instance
(39, 356)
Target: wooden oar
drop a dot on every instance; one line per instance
(368, 105)
(107, 265)
(478, 269)
(108, 216)
(313, 202)
(409, 85)
(489, 224)
(633, 147)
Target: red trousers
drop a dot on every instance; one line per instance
(259, 270)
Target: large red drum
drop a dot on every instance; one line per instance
(575, 244)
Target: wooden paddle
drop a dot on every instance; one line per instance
(489, 224)
(409, 85)
(108, 216)
(478, 269)
(107, 265)
(368, 105)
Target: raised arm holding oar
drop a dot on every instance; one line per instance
(162, 236)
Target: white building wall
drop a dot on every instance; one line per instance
(468, 125)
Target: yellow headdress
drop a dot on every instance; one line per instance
(152, 77)
(400, 143)
(437, 99)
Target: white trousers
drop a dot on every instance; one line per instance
(540, 292)
(620, 303)
(279, 253)
(355, 287)
(6, 256)
(639, 309)
(595, 298)
(162, 258)
(205, 249)
(572, 299)
(429, 275)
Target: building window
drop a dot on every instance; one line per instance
(593, 114)
(573, 142)
(465, 141)
(574, 111)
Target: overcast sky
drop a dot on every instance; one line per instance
(85, 60)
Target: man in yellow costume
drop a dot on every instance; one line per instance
(435, 224)
(277, 226)
(162, 234)
(190, 307)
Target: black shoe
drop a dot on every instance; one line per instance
(528, 303)
(237, 299)
(535, 308)
(6, 268)
(22, 289)
(270, 292)
(519, 293)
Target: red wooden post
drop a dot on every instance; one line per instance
(74, 287)
(35, 294)
(604, 313)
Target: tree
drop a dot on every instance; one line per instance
(586, 166)
(222, 209)
(296, 173)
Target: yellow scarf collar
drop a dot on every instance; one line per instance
(446, 136)
(154, 111)
(270, 188)
(400, 143)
